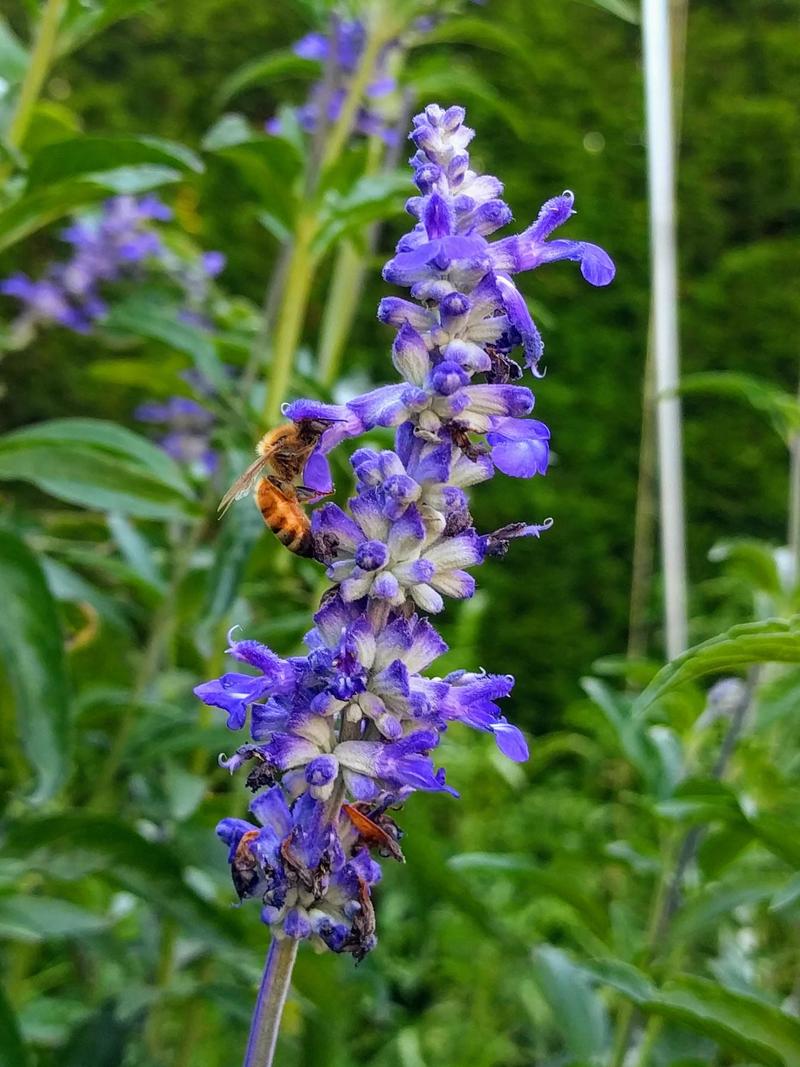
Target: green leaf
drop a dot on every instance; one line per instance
(239, 534)
(654, 757)
(112, 438)
(623, 9)
(83, 20)
(778, 698)
(36, 209)
(135, 549)
(183, 789)
(578, 1013)
(147, 869)
(700, 800)
(459, 80)
(12, 1051)
(67, 585)
(744, 1024)
(555, 880)
(269, 165)
(373, 197)
(13, 57)
(717, 902)
(779, 834)
(142, 318)
(32, 652)
(788, 895)
(769, 641)
(96, 464)
(622, 976)
(492, 36)
(29, 918)
(753, 561)
(49, 1021)
(781, 408)
(263, 70)
(81, 157)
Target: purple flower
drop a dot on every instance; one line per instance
(351, 728)
(187, 432)
(340, 52)
(116, 245)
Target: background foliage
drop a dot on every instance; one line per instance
(518, 932)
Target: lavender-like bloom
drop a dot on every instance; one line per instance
(186, 427)
(341, 51)
(348, 731)
(118, 244)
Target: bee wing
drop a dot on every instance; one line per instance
(243, 484)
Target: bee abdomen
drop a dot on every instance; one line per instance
(285, 518)
(294, 536)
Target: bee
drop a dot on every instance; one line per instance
(280, 504)
(376, 830)
(244, 867)
(282, 455)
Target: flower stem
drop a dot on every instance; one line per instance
(343, 127)
(299, 276)
(41, 59)
(269, 1006)
(793, 535)
(680, 855)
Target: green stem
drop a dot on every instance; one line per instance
(269, 1005)
(644, 523)
(343, 127)
(793, 535)
(41, 59)
(345, 289)
(667, 898)
(299, 275)
(340, 309)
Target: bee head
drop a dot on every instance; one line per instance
(314, 428)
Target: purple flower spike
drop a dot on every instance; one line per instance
(347, 732)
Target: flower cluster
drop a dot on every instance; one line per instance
(119, 244)
(340, 52)
(347, 732)
(186, 427)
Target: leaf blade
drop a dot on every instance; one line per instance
(32, 651)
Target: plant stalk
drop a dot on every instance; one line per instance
(302, 261)
(661, 182)
(667, 898)
(343, 126)
(299, 276)
(269, 1005)
(793, 535)
(40, 62)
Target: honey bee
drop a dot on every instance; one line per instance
(282, 455)
(244, 867)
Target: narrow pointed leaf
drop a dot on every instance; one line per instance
(78, 157)
(76, 843)
(12, 1051)
(743, 1024)
(578, 1012)
(96, 464)
(32, 655)
(769, 641)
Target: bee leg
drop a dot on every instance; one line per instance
(305, 494)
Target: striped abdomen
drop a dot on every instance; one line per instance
(285, 517)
